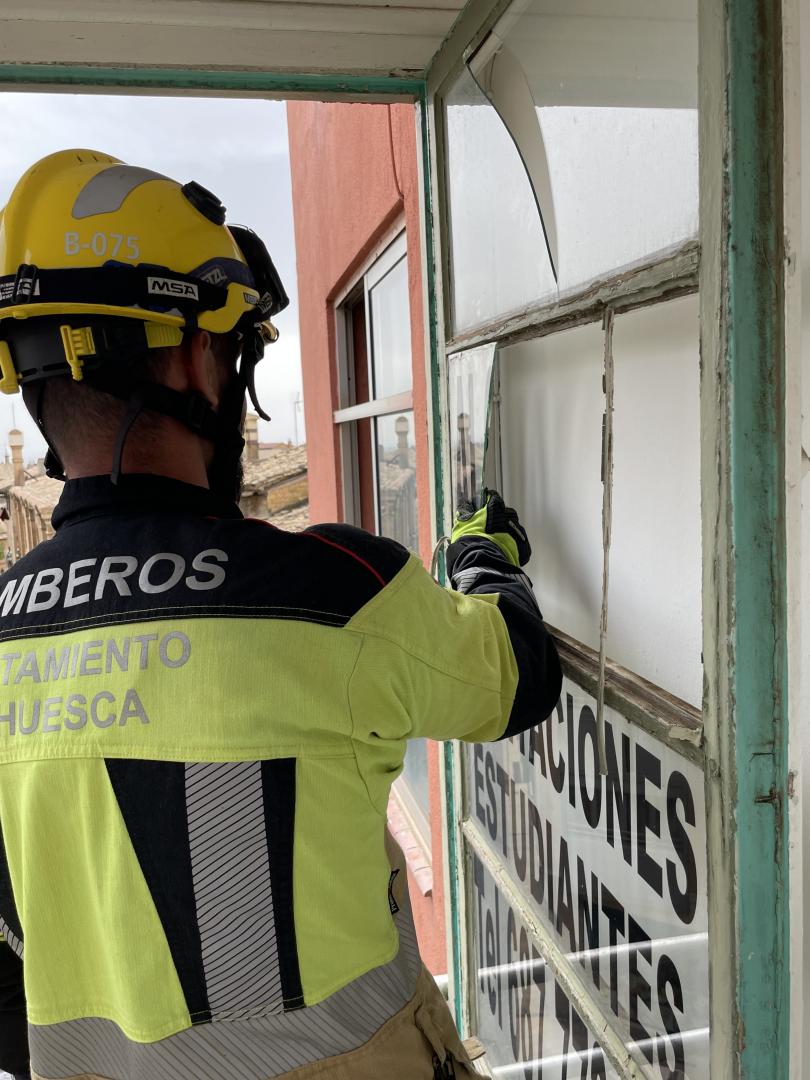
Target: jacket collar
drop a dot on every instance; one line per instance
(136, 493)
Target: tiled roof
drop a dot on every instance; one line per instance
(295, 519)
(6, 475)
(283, 463)
(42, 494)
(394, 477)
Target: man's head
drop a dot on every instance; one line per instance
(83, 423)
(132, 318)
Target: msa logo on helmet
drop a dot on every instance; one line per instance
(169, 287)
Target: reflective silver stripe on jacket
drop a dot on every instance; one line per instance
(233, 893)
(252, 1049)
(11, 938)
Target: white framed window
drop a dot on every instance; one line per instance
(376, 424)
(375, 417)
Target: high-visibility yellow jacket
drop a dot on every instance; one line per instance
(200, 721)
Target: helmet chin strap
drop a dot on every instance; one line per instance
(53, 464)
(223, 427)
(224, 472)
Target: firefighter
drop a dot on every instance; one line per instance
(201, 716)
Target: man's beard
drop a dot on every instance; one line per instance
(226, 472)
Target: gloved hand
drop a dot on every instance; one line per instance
(497, 522)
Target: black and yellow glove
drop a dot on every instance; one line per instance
(488, 547)
(497, 522)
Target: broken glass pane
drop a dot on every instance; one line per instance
(598, 111)
(470, 393)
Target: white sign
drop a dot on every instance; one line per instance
(614, 866)
(530, 1029)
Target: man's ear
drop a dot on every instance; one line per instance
(201, 366)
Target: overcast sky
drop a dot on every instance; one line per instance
(235, 147)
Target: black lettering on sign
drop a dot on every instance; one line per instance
(490, 955)
(550, 872)
(532, 746)
(614, 912)
(537, 862)
(492, 809)
(519, 832)
(565, 901)
(617, 793)
(684, 901)
(591, 804)
(526, 1041)
(556, 767)
(478, 882)
(640, 989)
(580, 1042)
(572, 773)
(562, 1010)
(512, 985)
(498, 954)
(478, 783)
(668, 978)
(648, 819)
(577, 1039)
(588, 919)
(503, 784)
(539, 980)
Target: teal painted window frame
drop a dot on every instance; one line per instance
(744, 420)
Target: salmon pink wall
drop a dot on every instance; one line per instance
(354, 178)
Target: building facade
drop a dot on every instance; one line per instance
(356, 202)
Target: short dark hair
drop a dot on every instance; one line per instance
(72, 411)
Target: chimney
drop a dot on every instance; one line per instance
(15, 442)
(252, 437)
(402, 428)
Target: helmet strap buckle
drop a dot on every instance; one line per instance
(9, 380)
(77, 342)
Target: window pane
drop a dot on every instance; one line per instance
(391, 332)
(654, 624)
(613, 866)
(396, 478)
(551, 445)
(615, 90)
(496, 238)
(624, 182)
(572, 145)
(552, 406)
(414, 788)
(471, 375)
(529, 1027)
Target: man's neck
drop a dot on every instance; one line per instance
(179, 456)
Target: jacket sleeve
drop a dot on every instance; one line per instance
(478, 567)
(447, 664)
(13, 1023)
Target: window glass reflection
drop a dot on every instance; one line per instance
(391, 332)
(396, 478)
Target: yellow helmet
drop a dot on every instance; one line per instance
(85, 237)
